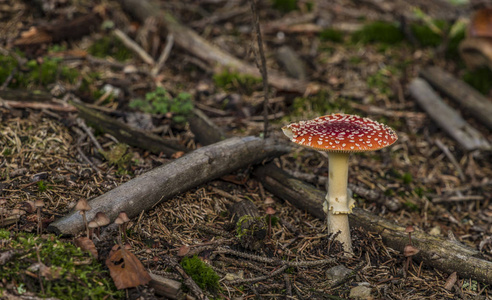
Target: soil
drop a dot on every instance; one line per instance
(426, 179)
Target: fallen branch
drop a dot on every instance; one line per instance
(445, 255)
(446, 117)
(126, 134)
(178, 176)
(459, 91)
(198, 46)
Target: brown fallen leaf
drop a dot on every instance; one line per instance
(126, 270)
(86, 244)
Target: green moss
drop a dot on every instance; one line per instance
(319, 104)
(42, 186)
(332, 35)
(407, 178)
(411, 206)
(480, 79)
(72, 279)
(110, 46)
(118, 156)
(378, 32)
(235, 82)
(284, 5)
(161, 102)
(40, 74)
(426, 36)
(204, 276)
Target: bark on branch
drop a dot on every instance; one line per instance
(445, 255)
(178, 176)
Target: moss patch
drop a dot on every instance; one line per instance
(332, 35)
(235, 82)
(203, 275)
(284, 5)
(378, 32)
(70, 273)
(110, 46)
(480, 79)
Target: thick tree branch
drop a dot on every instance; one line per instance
(164, 182)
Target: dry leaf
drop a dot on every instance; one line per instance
(451, 281)
(86, 244)
(126, 270)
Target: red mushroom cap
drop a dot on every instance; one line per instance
(341, 133)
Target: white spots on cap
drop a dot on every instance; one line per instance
(341, 132)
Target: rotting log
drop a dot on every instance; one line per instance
(469, 98)
(126, 134)
(190, 41)
(445, 255)
(446, 117)
(178, 176)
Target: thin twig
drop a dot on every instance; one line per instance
(164, 55)
(263, 68)
(259, 278)
(81, 124)
(134, 47)
(451, 158)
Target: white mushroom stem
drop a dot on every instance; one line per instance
(337, 205)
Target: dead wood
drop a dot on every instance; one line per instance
(59, 31)
(469, 98)
(176, 177)
(168, 288)
(445, 255)
(198, 46)
(446, 117)
(126, 134)
(25, 95)
(205, 130)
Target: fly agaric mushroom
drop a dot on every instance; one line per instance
(339, 135)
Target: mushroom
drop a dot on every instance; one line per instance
(83, 206)
(92, 226)
(270, 211)
(408, 252)
(124, 218)
(101, 220)
(409, 230)
(39, 205)
(339, 135)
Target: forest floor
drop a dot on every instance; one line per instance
(426, 179)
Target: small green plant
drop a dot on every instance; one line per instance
(160, 102)
(381, 80)
(119, 156)
(378, 32)
(231, 81)
(110, 46)
(42, 186)
(49, 71)
(203, 275)
(332, 35)
(407, 178)
(64, 275)
(285, 5)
